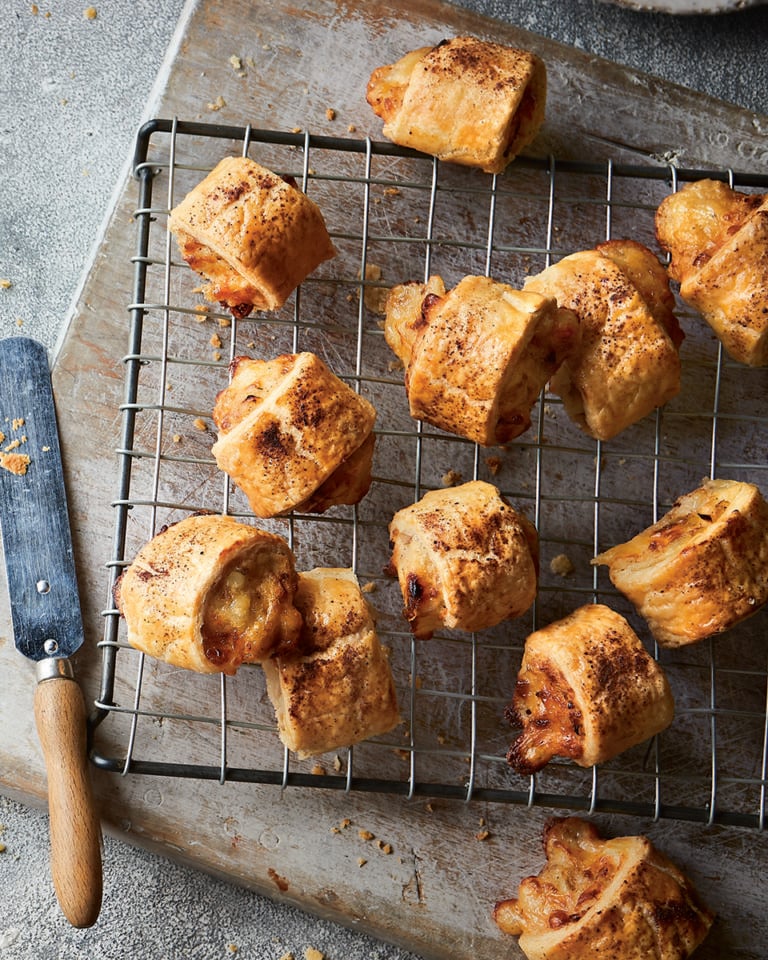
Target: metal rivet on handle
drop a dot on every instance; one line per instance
(43, 586)
(51, 647)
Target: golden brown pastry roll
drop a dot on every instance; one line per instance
(209, 594)
(293, 436)
(702, 567)
(596, 899)
(718, 241)
(339, 690)
(627, 361)
(251, 234)
(468, 101)
(476, 358)
(464, 558)
(587, 690)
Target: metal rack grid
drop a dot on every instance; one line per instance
(395, 215)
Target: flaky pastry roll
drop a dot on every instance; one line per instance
(339, 690)
(293, 436)
(596, 899)
(627, 362)
(467, 101)
(464, 558)
(701, 568)
(718, 242)
(209, 594)
(251, 234)
(587, 690)
(476, 358)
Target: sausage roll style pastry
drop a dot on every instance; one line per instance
(587, 690)
(718, 241)
(702, 568)
(464, 558)
(252, 235)
(209, 594)
(467, 101)
(627, 361)
(339, 690)
(597, 899)
(476, 358)
(293, 436)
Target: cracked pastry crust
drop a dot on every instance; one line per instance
(293, 436)
(627, 361)
(339, 690)
(718, 241)
(464, 558)
(617, 899)
(587, 690)
(477, 357)
(252, 235)
(209, 594)
(466, 100)
(701, 568)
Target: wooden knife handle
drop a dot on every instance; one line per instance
(74, 824)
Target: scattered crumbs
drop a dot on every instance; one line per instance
(330, 114)
(2, 436)
(177, 438)
(169, 387)
(395, 365)
(351, 128)
(338, 766)
(361, 861)
(217, 104)
(482, 835)
(428, 807)
(622, 461)
(481, 822)
(200, 424)
(312, 953)
(549, 411)
(392, 191)
(452, 478)
(561, 565)
(35, 9)
(217, 355)
(250, 62)
(311, 171)
(384, 847)
(365, 834)
(295, 129)
(287, 956)
(15, 463)
(225, 322)
(494, 464)
(19, 322)
(318, 770)
(374, 298)
(403, 754)
(13, 445)
(442, 739)
(237, 65)
(215, 341)
(90, 13)
(232, 947)
(5, 284)
(2, 847)
(417, 219)
(369, 587)
(346, 822)
(45, 449)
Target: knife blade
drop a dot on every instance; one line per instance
(46, 615)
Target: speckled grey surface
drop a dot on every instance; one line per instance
(73, 92)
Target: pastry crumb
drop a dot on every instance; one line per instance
(561, 565)
(351, 128)
(318, 770)
(200, 424)
(215, 341)
(90, 13)
(177, 438)
(330, 114)
(452, 478)
(494, 465)
(361, 861)
(369, 587)
(482, 835)
(374, 297)
(312, 953)
(16, 463)
(365, 834)
(287, 956)
(5, 284)
(215, 105)
(338, 766)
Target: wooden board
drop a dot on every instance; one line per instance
(434, 892)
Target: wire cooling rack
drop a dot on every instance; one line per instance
(394, 216)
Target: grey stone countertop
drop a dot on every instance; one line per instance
(73, 90)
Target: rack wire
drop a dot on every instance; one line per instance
(395, 215)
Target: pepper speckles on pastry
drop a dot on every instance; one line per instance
(466, 100)
(596, 899)
(718, 241)
(251, 234)
(339, 689)
(627, 362)
(587, 690)
(477, 357)
(702, 567)
(209, 593)
(464, 558)
(293, 436)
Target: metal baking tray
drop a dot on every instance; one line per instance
(395, 215)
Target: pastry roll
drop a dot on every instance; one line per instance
(464, 558)
(466, 100)
(587, 690)
(596, 899)
(251, 234)
(293, 436)
(339, 690)
(476, 358)
(718, 241)
(627, 361)
(701, 568)
(209, 594)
